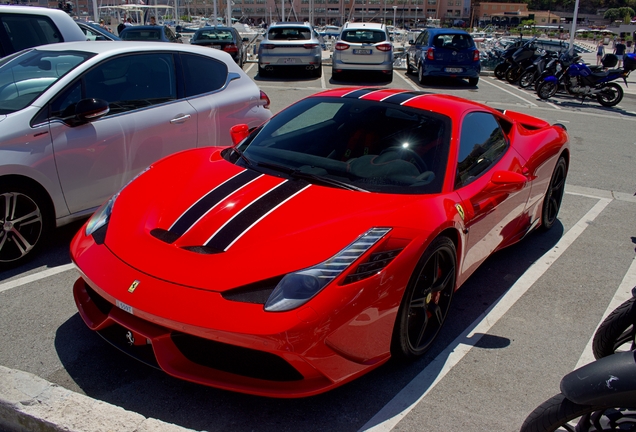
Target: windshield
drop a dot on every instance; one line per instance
(25, 76)
(369, 145)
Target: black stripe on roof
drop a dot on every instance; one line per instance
(215, 196)
(357, 94)
(251, 214)
(402, 97)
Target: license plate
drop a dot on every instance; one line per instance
(362, 51)
(124, 307)
(454, 70)
(216, 46)
(289, 60)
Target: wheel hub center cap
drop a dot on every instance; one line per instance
(8, 226)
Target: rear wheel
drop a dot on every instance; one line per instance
(554, 195)
(318, 71)
(262, 72)
(473, 81)
(547, 89)
(409, 69)
(25, 220)
(611, 95)
(420, 74)
(513, 74)
(426, 300)
(500, 70)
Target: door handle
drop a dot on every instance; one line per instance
(180, 119)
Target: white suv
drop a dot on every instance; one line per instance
(24, 27)
(363, 47)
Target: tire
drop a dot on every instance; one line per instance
(262, 72)
(426, 300)
(526, 79)
(611, 96)
(617, 330)
(409, 69)
(559, 411)
(473, 81)
(500, 71)
(420, 74)
(513, 74)
(547, 89)
(318, 71)
(554, 195)
(30, 220)
(336, 76)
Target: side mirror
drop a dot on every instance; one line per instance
(90, 109)
(238, 133)
(508, 181)
(411, 42)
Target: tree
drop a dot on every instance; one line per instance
(616, 14)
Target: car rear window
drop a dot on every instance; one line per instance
(453, 41)
(289, 33)
(141, 35)
(363, 36)
(26, 31)
(214, 35)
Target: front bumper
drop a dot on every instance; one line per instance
(198, 336)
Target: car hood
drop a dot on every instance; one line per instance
(2, 117)
(200, 221)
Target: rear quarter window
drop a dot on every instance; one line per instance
(202, 74)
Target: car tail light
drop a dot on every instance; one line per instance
(268, 46)
(384, 47)
(430, 54)
(476, 55)
(265, 99)
(341, 46)
(230, 48)
(310, 46)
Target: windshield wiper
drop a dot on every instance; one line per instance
(314, 178)
(242, 156)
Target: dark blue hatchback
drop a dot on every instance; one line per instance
(441, 52)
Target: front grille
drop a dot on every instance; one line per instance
(233, 359)
(257, 292)
(102, 304)
(116, 336)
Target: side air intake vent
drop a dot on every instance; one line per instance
(164, 235)
(373, 265)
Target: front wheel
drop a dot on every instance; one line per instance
(547, 89)
(513, 74)
(420, 74)
(426, 300)
(526, 79)
(317, 72)
(561, 414)
(617, 332)
(554, 195)
(24, 222)
(610, 95)
(500, 70)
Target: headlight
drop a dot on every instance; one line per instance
(297, 288)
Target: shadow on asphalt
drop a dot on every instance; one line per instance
(102, 372)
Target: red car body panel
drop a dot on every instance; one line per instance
(154, 289)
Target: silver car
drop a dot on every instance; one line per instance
(79, 120)
(363, 47)
(290, 45)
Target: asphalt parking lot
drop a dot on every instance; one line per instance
(515, 328)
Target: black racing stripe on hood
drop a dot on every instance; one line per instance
(259, 208)
(402, 97)
(357, 94)
(212, 198)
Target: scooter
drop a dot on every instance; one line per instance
(523, 57)
(501, 68)
(600, 396)
(532, 72)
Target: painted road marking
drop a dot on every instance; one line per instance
(408, 398)
(35, 277)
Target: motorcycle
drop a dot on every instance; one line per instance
(579, 80)
(600, 396)
(523, 57)
(532, 72)
(501, 68)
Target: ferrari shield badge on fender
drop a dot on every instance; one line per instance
(133, 286)
(459, 208)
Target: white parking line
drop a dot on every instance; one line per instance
(408, 398)
(622, 295)
(35, 277)
(408, 81)
(509, 92)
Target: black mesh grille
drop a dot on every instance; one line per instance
(164, 235)
(102, 304)
(257, 292)
(237, 360)
(205, 250)
(373, 265)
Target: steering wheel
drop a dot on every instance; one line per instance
(408, 155)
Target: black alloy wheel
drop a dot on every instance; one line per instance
(554, 195)
(547, 89)
(513, 74)
(426, 300)
(526, 79)
(611, 95)
(23, 223)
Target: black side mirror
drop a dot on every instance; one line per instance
(90, 109)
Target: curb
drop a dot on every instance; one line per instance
(29, 403)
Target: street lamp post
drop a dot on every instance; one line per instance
(415, 23)
(394, 14)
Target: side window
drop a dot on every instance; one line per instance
(169, 34)
(482, 143)
(202, 74)
(26, 31)
(420, 38)
(63, 106)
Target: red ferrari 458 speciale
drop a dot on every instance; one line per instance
(320, 244)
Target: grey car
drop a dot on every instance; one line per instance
(363, 47)
(290, 45)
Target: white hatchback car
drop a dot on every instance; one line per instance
(25, 27)
(79, 120)
(363, 47)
